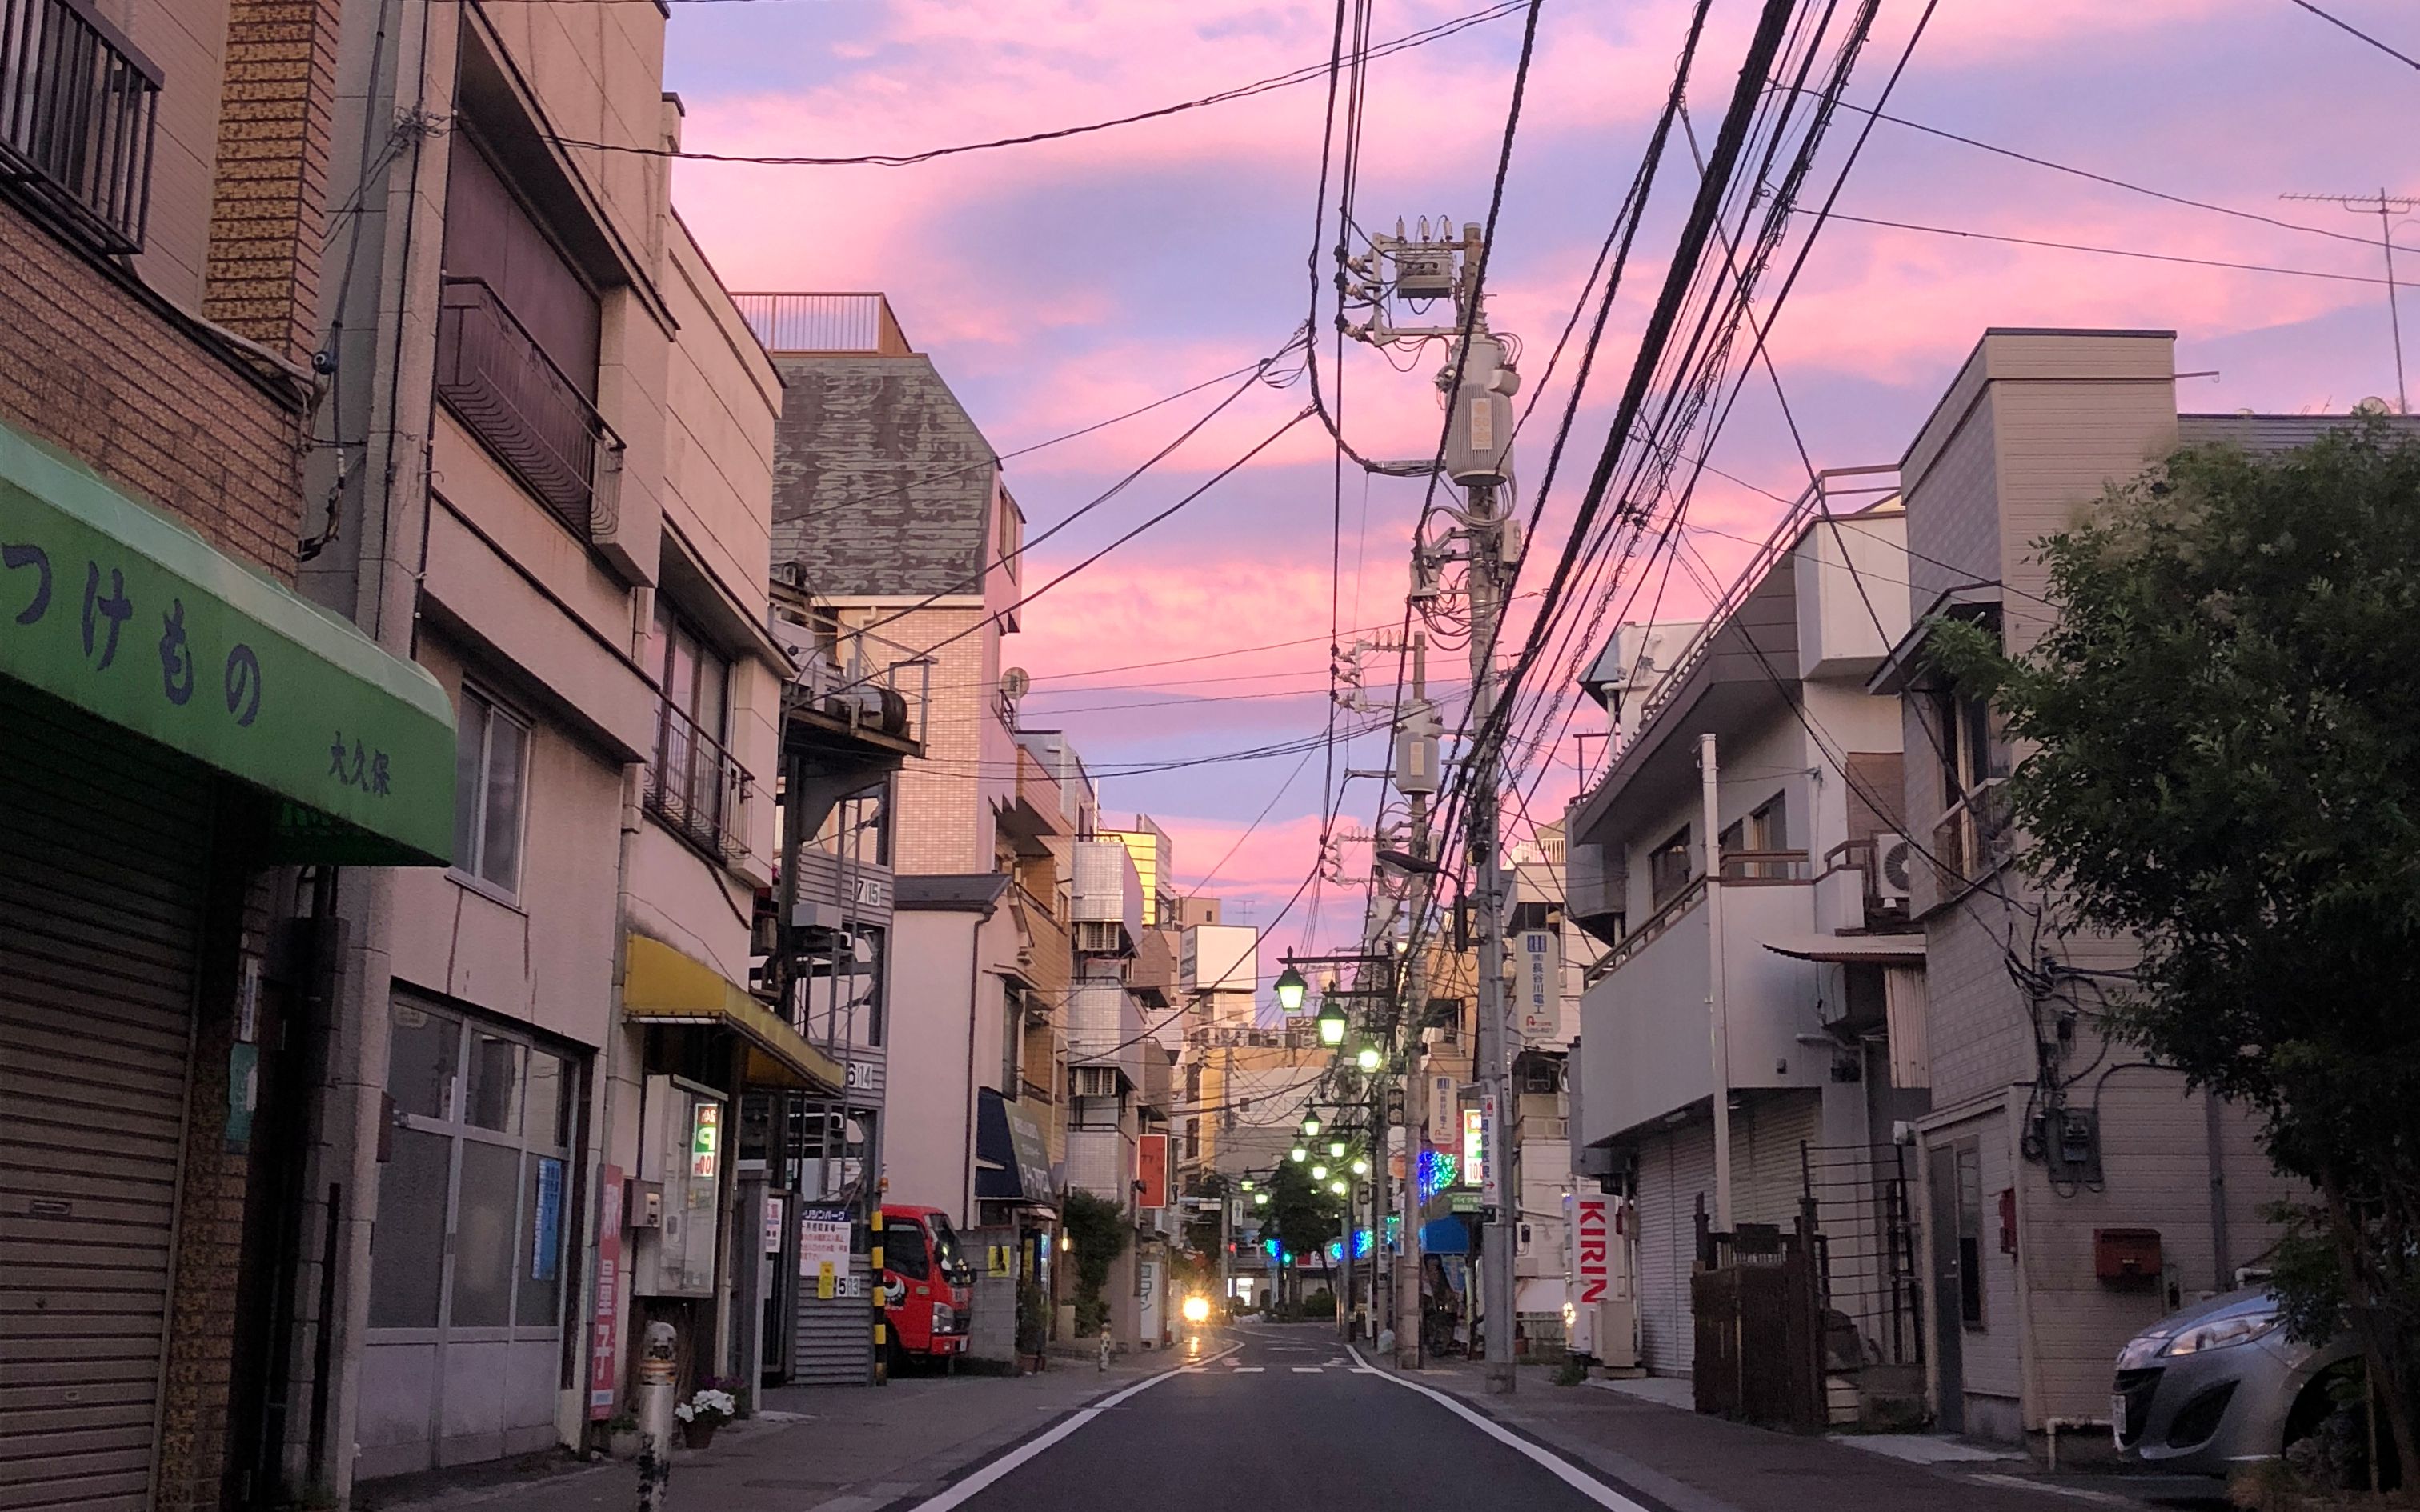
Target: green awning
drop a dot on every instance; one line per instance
(131, 616)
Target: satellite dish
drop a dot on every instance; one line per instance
(1015, 684)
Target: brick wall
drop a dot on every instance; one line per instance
(97, 368)
(273, 171)
(944, 824)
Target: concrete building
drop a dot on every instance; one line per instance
(182, 733)
(547, 473)
(2038, 1156)
(1775, 677)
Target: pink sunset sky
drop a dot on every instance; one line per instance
(1058, 284)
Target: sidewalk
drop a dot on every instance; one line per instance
(1688, 1463)
(834, 1448)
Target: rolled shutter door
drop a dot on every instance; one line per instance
(103, 855)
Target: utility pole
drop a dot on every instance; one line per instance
(1478, 381)
(2385, 207)
(1416, 776)
(1717, 997)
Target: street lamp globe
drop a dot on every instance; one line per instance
(1292, 988)
(1245, 1184)
(1337, 1187)
(1319, 1173)
(1360, 1166)
(1300, 1153)
(1311, 1126)
(1368, 1057)
(1335, 1148)
(1331, 1022)
(1260, 1200)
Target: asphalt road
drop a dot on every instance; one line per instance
(1288, 1418)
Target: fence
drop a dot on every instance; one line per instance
(1864, 1252)
(1758, 1326)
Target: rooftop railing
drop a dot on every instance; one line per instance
(818, 325)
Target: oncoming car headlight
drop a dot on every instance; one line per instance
(1197, 1309)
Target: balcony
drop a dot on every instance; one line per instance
(79, 108)
(863, 682)
(823, 325)
(525, 411)
(696, 788)
(1644, 1036)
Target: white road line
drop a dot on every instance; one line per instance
(1562, 1470)
(1308, 1370)
(2078, 1492)
(1250, 1369)
(964, 1490)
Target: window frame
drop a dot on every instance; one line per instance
(1677, 844)
(468, 869)
(1968, 1162)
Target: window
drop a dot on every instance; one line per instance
(1540, 1077)
(692, 784)
(1011, 1037)
(490, 768)
(1668, 869)
(474, 1198)
(903, 1249)
(1970, 1235)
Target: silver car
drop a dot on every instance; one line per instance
(2219, 1385)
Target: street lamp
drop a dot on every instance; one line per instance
(1299, 1154)
(1368, 1058)
(1331, 1022)
(1337, 1147)
(1319, 1173)
(1245, 1184)
(1291, 988)
(1311, 1126)
(1260, 1200)
(1360, 1166)
(1337, 1187)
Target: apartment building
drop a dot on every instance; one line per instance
(2070, 1194)
(183, 734)
(1768, 921)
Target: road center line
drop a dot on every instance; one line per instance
(1562, 1469)
(960, 1493)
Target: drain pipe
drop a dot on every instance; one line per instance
(2053, 1426)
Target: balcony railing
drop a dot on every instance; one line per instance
(79, 109)
(696, 787)
(1973, 839)
(871, 682)
(800, 325)
(1753, 867)
(527, 412)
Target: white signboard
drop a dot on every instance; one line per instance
(1445, 1112)
(1539, 988)
(823, 1250)
(1491, 1170)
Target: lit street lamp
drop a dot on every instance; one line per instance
(1311, 1126)
(1319, 1173)
(1291, 989)
(1368, 1058)
(1331, 1022)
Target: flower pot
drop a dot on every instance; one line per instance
(1032, 1364)
(623, 1444)
(698, 1435)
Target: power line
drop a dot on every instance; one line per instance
(2346, 26)
(2108, 252)
(903, 159)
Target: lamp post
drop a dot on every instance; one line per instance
(1291, 988)
(1331, 1021)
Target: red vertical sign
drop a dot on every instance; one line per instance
(1590, 1233)
(604, 1327)
(1153, 1161)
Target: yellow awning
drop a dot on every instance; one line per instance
(665, 986)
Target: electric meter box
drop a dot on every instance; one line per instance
(1424, 272)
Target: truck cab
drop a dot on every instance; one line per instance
(927, 1286)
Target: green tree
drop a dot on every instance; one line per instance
(1101, 1232)
(2224, 764)
(1302, 1216)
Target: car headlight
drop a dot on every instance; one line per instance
(2141, 1351)
(944, 1318)
(2223, 1332)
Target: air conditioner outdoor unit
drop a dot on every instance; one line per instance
(1894, 862)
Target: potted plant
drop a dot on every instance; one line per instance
(1032, 1327)
(622, 1436)
(710, 1407)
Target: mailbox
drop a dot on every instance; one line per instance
(2126, 1256)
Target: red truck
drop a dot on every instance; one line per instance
(927, 1286)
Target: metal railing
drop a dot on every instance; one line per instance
(1647, 933)
(79, 111)
(526, 410)
(696, 787)
(814, 325)
(1753, 867)
(869, 681)
(1973, 838)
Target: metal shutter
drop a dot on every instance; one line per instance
(1768, 1176)
(103, 846)
(836, 1337)
(1673, 1170)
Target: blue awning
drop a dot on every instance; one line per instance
(1445, 1236)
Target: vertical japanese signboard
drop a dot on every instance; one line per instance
(823, 1251)
(604, 1329)
(1445, 1103)
(1151, 1157)
(1591, 1234)
(1477, 1169)
(1539, 992)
